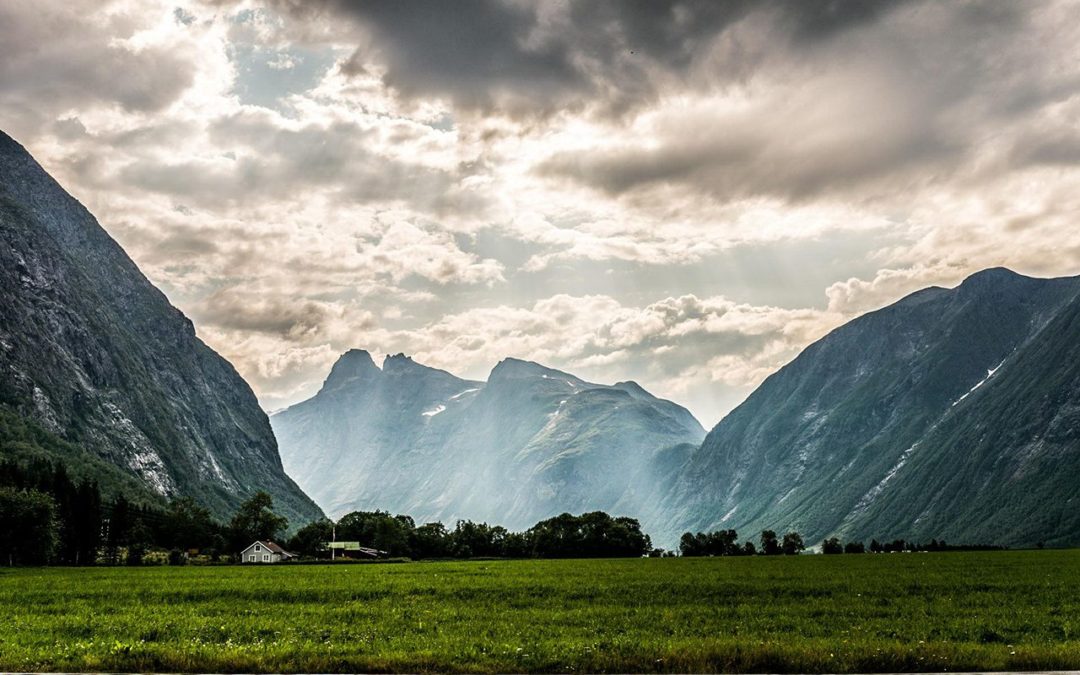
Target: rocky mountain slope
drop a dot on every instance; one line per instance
(529, 443)
(952, 413)
(91, 351)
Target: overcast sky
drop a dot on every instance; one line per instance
(681, 193)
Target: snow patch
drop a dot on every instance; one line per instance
(558, 409)
(149, 466)
(873, 492)
(729, 514)
(989, 374)
(462, 393)
(216, 468)
(144, 459)
(435, 411)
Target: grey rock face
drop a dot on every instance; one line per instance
(90, 349)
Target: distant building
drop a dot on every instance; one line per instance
(265, 552)
(352, 549)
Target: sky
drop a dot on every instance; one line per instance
(684, 194)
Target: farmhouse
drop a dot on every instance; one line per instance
(264, 552)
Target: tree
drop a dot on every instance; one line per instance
(377, 529)
(590, 535)
(793, 544)
(854, 547)
(255, 520)
(430, 540)
(471, 540)
(310, 540)
(770, 545)
(28, 531)
(719, 543)
(138, 542)
(119, 527)
(691, 545)
(84, 523)
(831, 546)
(187, 525)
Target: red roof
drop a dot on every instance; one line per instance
(272, 547)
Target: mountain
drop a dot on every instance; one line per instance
(954, 413)
(92, 353)
(529, 443)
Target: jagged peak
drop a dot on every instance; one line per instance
(402, 365)
(399, 361)
(514, 368)
(352, 366)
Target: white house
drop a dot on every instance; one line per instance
(264, 552)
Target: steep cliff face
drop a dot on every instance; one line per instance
(93, 352)
(951, 413)
(528, 443)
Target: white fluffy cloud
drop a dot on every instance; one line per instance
(587, 183)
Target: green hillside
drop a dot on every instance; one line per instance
(948, 414)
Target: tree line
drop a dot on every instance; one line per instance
(46, 517)
(725, 543)
(589, 535)
(833, 546)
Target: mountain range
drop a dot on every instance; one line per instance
(95, 357)
(529, 443)
(951, 414)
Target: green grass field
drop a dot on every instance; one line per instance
(899, 612)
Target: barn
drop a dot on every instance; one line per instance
(352, 549)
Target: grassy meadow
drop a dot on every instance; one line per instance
(898, 612)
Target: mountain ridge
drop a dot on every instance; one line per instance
(92, 351)
(822, 438)
(522, 445)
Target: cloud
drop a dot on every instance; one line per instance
(857, 296)
(529, 60)
(812, 122)
(702, 352)
(405, 250)
(682, 192)
(64, 55)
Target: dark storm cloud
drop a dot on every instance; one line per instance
(538, 58)
(929, 86)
